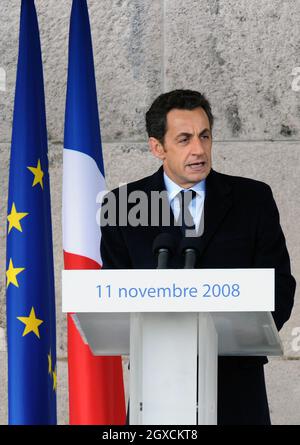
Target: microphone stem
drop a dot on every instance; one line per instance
(162, 260)
(190, 259)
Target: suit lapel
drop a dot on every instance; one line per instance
(218, 201)
(157, 183)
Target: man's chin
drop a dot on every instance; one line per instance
(198, 176)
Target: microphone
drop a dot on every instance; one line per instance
(163, 245)
(190, 248)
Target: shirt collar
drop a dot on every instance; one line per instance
(173, 189)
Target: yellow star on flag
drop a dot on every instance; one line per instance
(11, 274)
(38, 174)
(49, 363)
(14, 218)
(32, 323)
(54, 374)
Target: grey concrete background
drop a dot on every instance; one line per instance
(240, 53)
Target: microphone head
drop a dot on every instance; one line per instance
(164, 241)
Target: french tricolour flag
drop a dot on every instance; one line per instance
(96, 391)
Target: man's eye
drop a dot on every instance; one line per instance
(205, 136)
(183, 140)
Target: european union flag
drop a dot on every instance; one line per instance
(29, 270)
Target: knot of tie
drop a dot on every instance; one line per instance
(187, 196)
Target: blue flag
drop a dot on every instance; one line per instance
(32, 374)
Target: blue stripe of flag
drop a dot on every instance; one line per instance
(82, 129)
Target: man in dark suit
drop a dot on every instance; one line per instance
(241, 230)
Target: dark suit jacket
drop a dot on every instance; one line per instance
(241, 230)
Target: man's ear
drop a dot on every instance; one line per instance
(157, 148)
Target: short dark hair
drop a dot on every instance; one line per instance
(156, 116)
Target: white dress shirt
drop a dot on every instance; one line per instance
(196, 206)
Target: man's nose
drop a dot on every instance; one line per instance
(197, 147)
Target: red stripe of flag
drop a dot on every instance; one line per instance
(96, 397)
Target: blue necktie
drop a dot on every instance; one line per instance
(185, 217)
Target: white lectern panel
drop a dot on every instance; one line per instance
(251, 333)
(247, 333)
(168, 290)
(207, 371)
(106, 334)
(165, 365)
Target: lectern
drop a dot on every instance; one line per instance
(174, 324)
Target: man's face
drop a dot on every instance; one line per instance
(186, 152)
